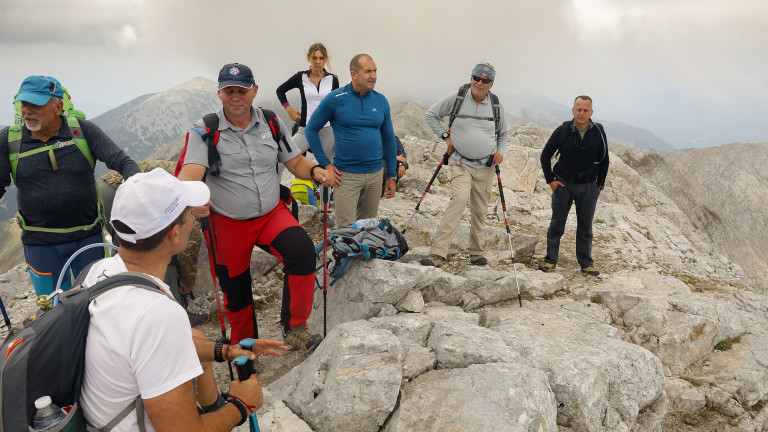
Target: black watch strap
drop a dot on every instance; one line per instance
(218, 348)
(241, 407)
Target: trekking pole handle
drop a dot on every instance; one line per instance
(244, 367)
(490, 162)
(247, 343)
(325, 194)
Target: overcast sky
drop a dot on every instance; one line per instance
(691, 71)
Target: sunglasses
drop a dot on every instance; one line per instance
(478, 78)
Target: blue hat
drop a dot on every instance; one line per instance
(485, 70)
(236, 74)
(38, 90)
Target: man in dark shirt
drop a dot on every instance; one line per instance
(578, 176)
(50, 158)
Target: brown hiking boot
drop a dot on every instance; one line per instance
(547, 267)
(299, 338)
(591, 271)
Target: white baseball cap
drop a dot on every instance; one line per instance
(149, 202)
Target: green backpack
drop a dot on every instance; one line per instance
(14, 154)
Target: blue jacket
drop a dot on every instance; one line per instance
(362, 129)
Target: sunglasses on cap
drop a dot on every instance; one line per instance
(478, 78)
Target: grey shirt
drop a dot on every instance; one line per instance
(474, 139)
(248, 185)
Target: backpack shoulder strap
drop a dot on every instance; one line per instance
(78, 139)
(211, 139)
(136, 279)
(457, 103)
(496, 112)
(274, 127)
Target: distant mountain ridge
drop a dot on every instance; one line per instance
(533, 108)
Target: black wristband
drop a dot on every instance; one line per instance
(241, 407)
(217, 349)
(312, 172)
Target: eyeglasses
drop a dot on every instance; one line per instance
(478, 78)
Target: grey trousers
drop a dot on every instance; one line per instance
(585, 196)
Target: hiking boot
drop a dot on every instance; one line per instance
(432, 261)
(590, 271)
(478, 260)
(547, 267)
(197, 319)
(299, 338)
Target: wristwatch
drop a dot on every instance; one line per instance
(445, 135)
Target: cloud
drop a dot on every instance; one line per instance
(127, 36)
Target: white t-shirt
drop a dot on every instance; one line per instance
(139, 342)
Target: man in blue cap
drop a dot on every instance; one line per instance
(50, 157)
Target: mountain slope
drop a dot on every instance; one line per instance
(722, 191)
(146, 124)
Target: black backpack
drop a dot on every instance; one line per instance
(48, 356)
(211, 139)
(459, 101)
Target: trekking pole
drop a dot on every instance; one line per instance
(442, 162)
(325, 258)
(206, 226)
(509, 233)
(245, 369)
(5, 316)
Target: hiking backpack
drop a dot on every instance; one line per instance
(211, 140)
(78, 139)
(382, 241)
(48, 357)
(306, 192)
(459, 101)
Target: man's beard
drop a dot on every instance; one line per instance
(33, 128)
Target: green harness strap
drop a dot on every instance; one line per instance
(14, 154)
(14, 146)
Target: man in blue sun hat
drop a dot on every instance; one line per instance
(50, 156)
(476, 139)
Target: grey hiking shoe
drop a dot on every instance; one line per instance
(547, 267)
(299, 338)
(432, 261)
(590, 271)
(478, 260)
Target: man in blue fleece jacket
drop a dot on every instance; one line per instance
(362, 126)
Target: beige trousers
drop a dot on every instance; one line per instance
(357, 197)
(467, 184)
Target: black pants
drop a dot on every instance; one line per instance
(585, 196)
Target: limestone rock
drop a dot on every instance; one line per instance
(350, 382)
(488, 397)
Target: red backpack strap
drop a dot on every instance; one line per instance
(180, 163)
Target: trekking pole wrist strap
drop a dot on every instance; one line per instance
(240, 405)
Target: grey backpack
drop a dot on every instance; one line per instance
(48, 358)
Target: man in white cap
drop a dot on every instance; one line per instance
(51, 157)
(140, 346)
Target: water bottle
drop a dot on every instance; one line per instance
(365, 222)
(48, 414)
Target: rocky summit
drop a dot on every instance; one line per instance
(671, 336)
